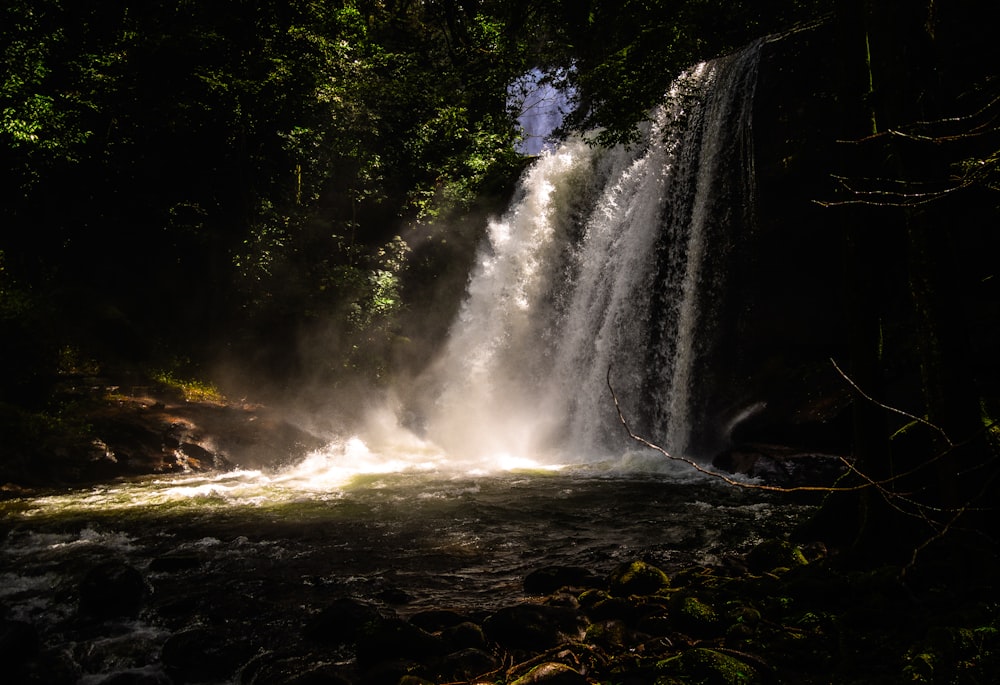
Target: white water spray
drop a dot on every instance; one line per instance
(600, 264)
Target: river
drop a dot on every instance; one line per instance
(250, 553)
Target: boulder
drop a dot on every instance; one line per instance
(637, 578)
(202, 654)
(534, 626)
(552, 673)
(113, 589)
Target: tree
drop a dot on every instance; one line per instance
(891, 230)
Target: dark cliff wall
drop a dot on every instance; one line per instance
(787, 301)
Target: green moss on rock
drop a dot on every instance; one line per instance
(637, 578)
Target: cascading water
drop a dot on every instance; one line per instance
(606, 260)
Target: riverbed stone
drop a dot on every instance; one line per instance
(202, 654)
(773, 554)
(637, 578)
(342, 621)
(394, 638)
(534, 626)
(695, 617)
(467, 664)
(18, 643)
(711, 667)
(434, 620)
(112, 589)
(143, 676)
(552, 673)
(464, 635)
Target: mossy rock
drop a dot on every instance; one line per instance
(637, 578)
(695, 617)
(775, 554)
(710, 667)
(551, 674)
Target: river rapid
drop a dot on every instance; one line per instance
(254, 553)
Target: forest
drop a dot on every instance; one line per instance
(276, 198)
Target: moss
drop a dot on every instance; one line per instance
(695, 617)
(711, 667)
(771, 555)
(637, 578)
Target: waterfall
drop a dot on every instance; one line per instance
(606, 259)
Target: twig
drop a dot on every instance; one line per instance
(715, 474)
(894, 410)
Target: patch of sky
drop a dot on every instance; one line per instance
(540, 105)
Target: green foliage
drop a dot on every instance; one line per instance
(191, 389)
(257, 160)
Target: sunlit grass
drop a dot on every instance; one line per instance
(193, 390)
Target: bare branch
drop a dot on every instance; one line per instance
(894, 410)
(715, 474)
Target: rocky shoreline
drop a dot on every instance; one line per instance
(781, 614)
(776, 615)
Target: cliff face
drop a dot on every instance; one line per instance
(788, 302)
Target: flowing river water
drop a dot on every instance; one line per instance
(253, 555)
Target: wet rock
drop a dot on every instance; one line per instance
(611, 634)
(396, 672)
(112, 589)
(145, 676)
(695, 617)
(637, 578)
(49, 667)
(711, 667)
(469, 663)
(464, 635)
(18, 644)
(534, 626)
(342, 621)
(551, 674)
(773, 554)
(393, 638)
(434, 620)
(202, 654)
(298, 669)
(547, 580)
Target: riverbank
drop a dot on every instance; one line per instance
(779, 614)
(99, 428)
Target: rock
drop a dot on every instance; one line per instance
(467, 664)
(464, 635)
(144, 676)
(271, 669)
(534, 626)
(711, 667)
(551, 674)
(773, 554)
(342, 621)
(202, 654)
(113, 589)
(434, 620)
(393, 638)
(637, 578)
(18, 644)
(695, 617)
(611, 634)
(780, 465)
